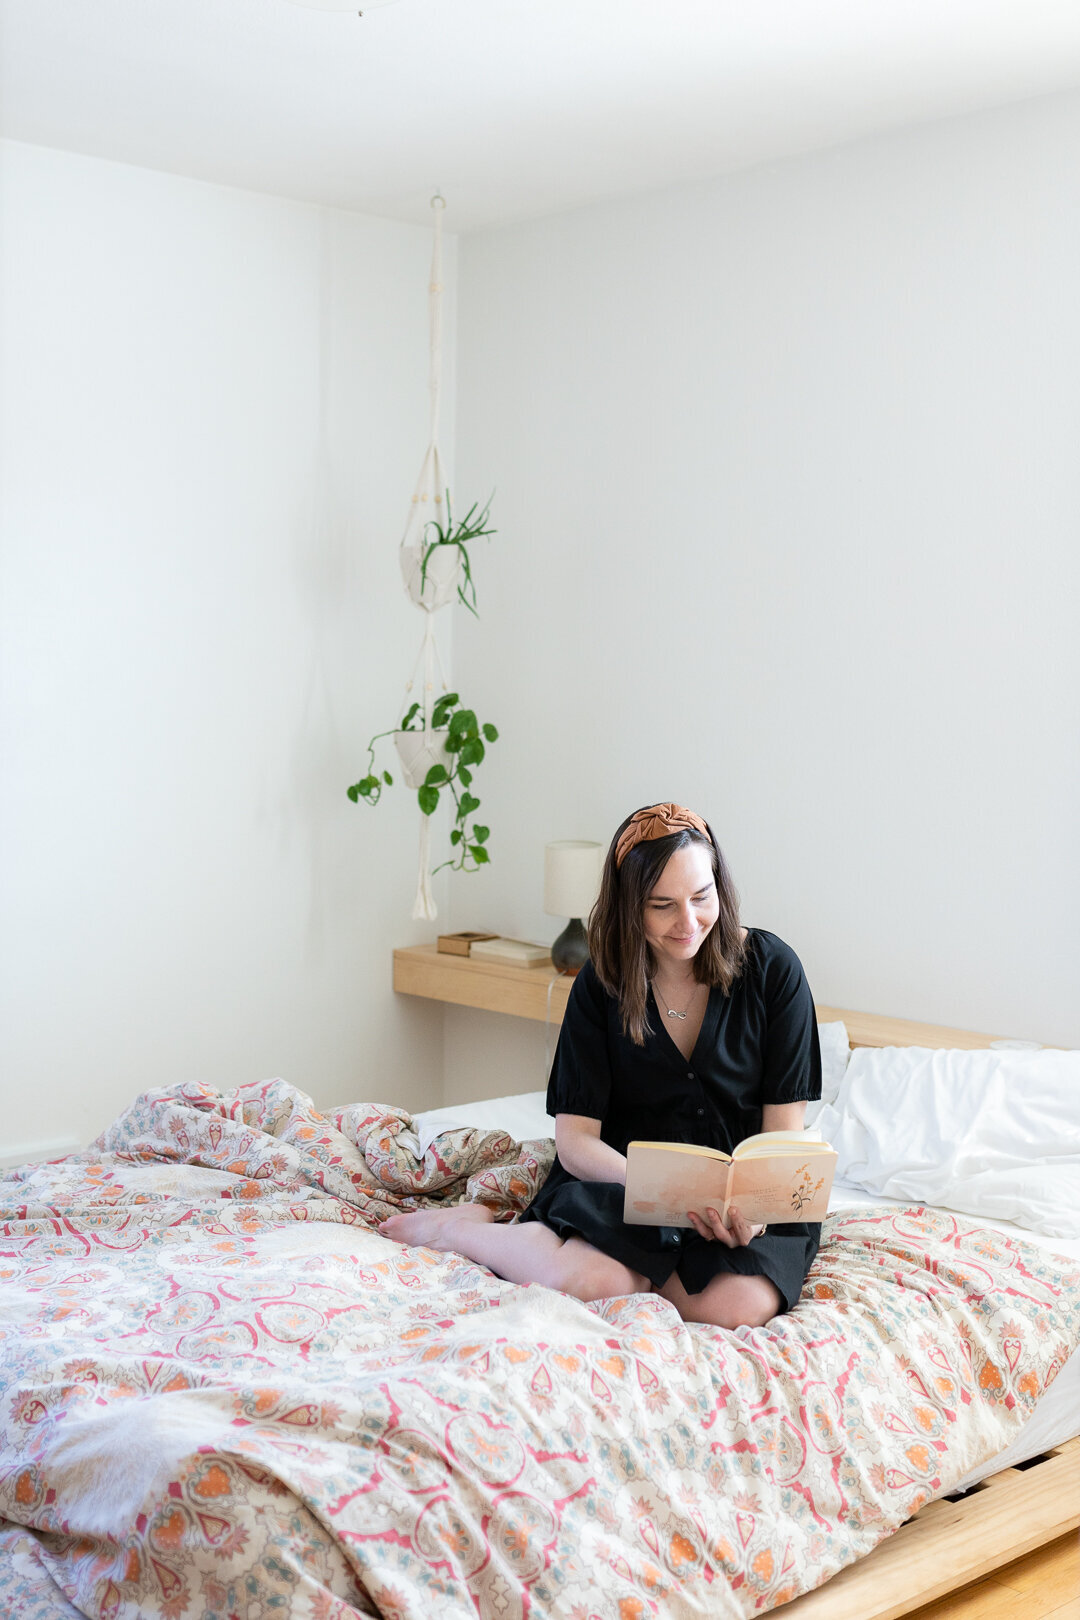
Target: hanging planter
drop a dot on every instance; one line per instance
(432, 575)
(439, 567)
(441, 758)
(418, 752)
(439, 742)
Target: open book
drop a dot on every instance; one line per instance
(776, 1176)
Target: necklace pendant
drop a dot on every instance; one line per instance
(673, 1014)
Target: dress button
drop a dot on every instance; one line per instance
(690, 1075)
(676, 1237)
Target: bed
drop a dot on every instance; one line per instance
(224, 1395)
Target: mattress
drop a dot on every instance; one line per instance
(1057, 1415)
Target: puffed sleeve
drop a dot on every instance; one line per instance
(580, 1080)
(792, 1067)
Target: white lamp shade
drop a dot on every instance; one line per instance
(343, 5)
(572, 869)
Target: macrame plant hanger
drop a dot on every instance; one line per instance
(429, 589)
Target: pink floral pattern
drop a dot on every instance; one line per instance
(224, 1397)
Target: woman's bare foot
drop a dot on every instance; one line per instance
(434, 1228)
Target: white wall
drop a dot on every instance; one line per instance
(214, 406)
(785, 486)
(788, 511)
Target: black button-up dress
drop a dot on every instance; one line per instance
(757, 1045)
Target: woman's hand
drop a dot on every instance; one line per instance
(709, 1224)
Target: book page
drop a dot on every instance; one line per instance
(682, 1147)
(662, 1185)
(784, 1188)
(776, 1142)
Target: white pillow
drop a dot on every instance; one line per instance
(525, 1118)
(835, 1051)
(990, 1133)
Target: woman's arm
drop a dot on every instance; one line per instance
(783, 1116)
(577, 1138)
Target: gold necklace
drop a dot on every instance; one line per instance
(673, 1012)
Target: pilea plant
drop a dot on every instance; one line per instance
(461, 740)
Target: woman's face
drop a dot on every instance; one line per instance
(681, 907)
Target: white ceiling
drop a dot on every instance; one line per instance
(513, 107)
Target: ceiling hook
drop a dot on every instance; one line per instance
(438, 201)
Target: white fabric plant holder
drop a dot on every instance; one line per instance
(436, 585)
(443, 571)
(418, 751)
(437, 589)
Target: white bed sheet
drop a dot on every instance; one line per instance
(1055, 1419)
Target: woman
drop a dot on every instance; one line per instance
(683, 1027)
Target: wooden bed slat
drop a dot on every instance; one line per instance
(951, 1544)
(874, 1029)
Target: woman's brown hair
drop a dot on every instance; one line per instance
(617, 945)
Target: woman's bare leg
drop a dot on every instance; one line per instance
(533, 1253)
(522, 1253)
(729, 1301)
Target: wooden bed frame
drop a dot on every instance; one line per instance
(956, 1540)
(953, 1541)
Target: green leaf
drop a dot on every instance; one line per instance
(388, 779)
(479, 854)
(367, 788)
(455, 836)
(409, 718)
(472, 752)
(468, 804)
(435, 776)
(428, 798)
(490, 733)
(481, 834)
(459, 723)
(464, 775)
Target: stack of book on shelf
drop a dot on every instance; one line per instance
(515, 952)
(460, 944)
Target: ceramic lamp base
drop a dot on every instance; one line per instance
(570, 951)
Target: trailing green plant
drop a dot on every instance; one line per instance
(466, 742)
(473, 526)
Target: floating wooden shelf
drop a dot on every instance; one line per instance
(536, 992)
(540, 993)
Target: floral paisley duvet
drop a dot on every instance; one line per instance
(223, 1396)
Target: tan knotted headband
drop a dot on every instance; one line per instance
(656, 821)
